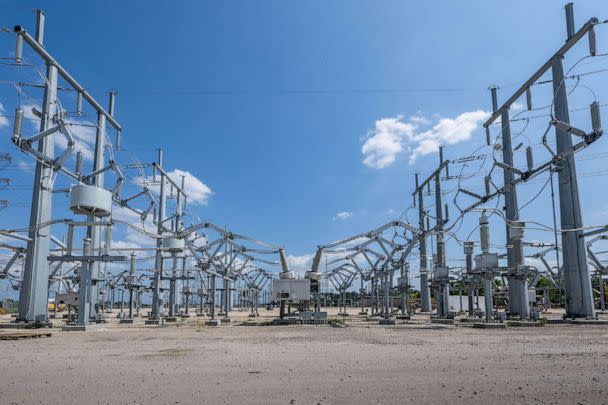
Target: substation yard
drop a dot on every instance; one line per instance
(358, 362)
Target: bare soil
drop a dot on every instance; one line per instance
(361, 363)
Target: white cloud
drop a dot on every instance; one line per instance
(300, 264)
(384, 142)
(197, 191)
(3, 120)
(420, 120)
(516, 106)
(343, 215)
(447, 131)
(392, 136)
(83, 132)
(26, 167)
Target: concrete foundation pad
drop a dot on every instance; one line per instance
(14, 325)
(80, 328)
(212, 322)
(152, 322)
(403, 317)
(443, 321)
(185, 315)
(225, 320)
(588, 321)
(490, 325)
(386, 322)
(286, 321)
(171, 319)
(126, 320)
(524, 324)
(343, 314)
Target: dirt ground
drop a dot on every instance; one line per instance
(361, 363)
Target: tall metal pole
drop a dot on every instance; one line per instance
(425, 289)
(577, 281)
(89, 274)
(468, 251)
(158, 262)
(518, 284)
(444, 292)
(33, 297)
(172, 285)
(488, 277)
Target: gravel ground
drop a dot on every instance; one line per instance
(362, 363)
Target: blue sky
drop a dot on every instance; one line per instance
(270, 103)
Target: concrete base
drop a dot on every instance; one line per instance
(152, 322)
(79, 328)
(14, 325)
(26, 325)
(524, 324)
(588, 322)
(126, 320)
(171, 319)
(185, 315)
(252, 315)
(199, 314)
(362, 313)
(442, 321)
(225, 320)
(343, 314)
(212, 322)
(286, 321)
(490, 325)
(387, 322)
(403, 317)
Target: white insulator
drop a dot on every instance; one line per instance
(313, 275)
(529, 158)
(90, 200)
(18, 124)
(173, 244)
(287, 275)
(484, 233)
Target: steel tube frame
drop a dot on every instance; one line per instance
(33, 297)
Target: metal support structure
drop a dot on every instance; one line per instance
(443, 291)
(518, 286)
(471, 284)
(33, 298)
(158, 262)
(425, 289)
(577, 281)
(487, 294)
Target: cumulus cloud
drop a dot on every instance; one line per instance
(197, 191)
(300, 264)
(343, 215)
(3, 119)
(418, 135)
(385, 141)
(83, 132)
